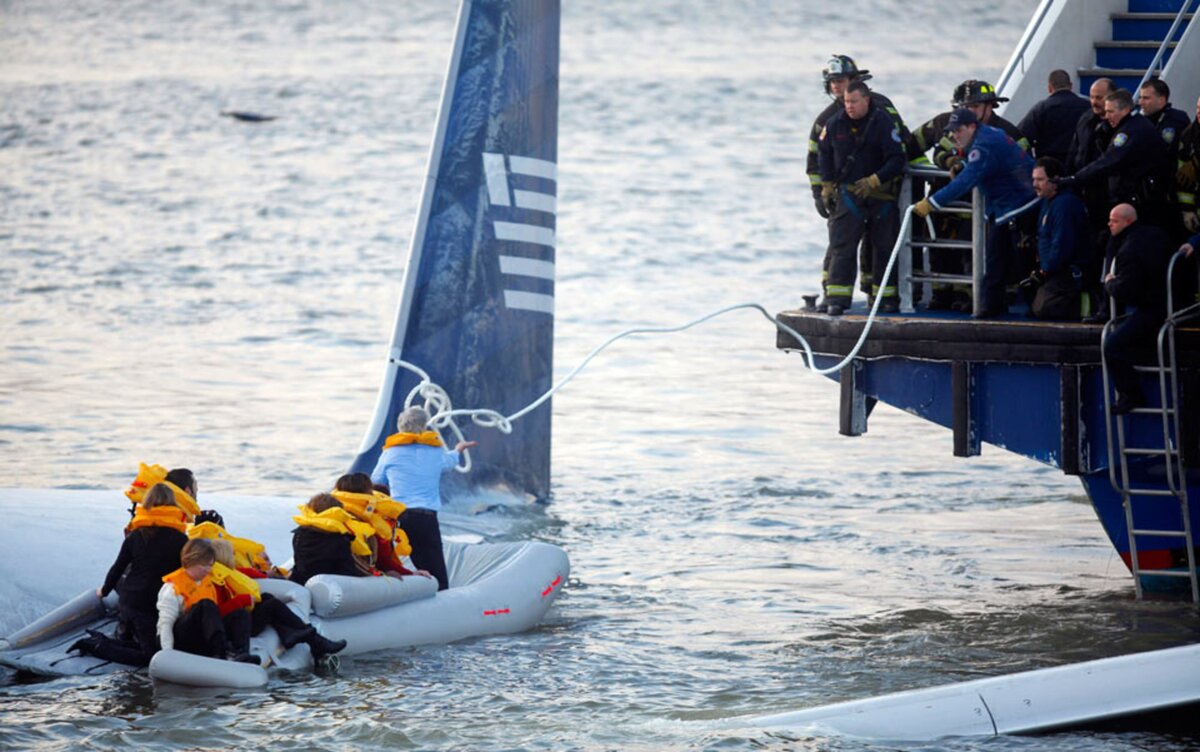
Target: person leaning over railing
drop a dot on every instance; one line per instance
(1001, 170)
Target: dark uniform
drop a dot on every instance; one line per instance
(850, 150)
(1189, 170)
(1138, 172)
(1171, 125)
(1141, 253)
(814, 173)
(1050, 124)
(1092, 134)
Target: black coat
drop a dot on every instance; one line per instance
(149, 554)
(1050, 124)
(1135, 164)
(1140, 257)
(318, 552)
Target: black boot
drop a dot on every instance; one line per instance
(322, 646)
(84, 646)
(293, 637)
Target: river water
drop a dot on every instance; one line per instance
(183, 288)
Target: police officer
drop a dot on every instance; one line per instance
(1155, 100)
(1050, 124)
(1092, 134)
(1135, 164)
(861, 158)
(1003, 171)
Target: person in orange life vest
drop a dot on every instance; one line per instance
(188, 616)
(411, 464)
(149, 551)
(251, 557)
(327, 541)
(358, 495)
(265, 609)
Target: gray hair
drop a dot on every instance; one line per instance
(412, 420)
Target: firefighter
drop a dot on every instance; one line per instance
(861, 158)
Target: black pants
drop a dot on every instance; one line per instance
(141, 626)
(1005, 259)
(854, 217)
(1135, 333)
(272, 612)
(203, 631)
(425, 537)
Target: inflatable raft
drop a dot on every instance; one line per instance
(495, 588)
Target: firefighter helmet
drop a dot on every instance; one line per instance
(971, 92)
(842, 66)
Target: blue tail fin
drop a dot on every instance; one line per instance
(477, 309)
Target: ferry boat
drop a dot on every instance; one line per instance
(1040, 389)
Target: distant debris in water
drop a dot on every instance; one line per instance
(247, 117)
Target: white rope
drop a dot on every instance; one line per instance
(443, 414)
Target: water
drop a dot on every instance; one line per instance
(182, 288)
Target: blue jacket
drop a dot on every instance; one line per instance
(1063, 233)
(1001, 169)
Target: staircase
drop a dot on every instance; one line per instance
(1136, 37)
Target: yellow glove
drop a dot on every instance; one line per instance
(828, 191)
(863, 186)
(1191, 220)
(1186, 177)
(923, 208)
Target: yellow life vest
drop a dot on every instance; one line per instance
(172, 517)
(191, 591)
(150, 475)
(339, 521)
(246, 553)
(428, 438)
(400, 544)
(147, 476)
(236, 582)
(376, 508)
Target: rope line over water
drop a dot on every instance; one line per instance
(442, 413)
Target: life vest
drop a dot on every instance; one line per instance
(191, 591)
(428, 438)
(235, 582)
(246, 553)
(339, 521)
(400, 543)
(147, 476)
(375, 508)
(172, 517)
(150, 475)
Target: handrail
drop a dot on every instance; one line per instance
(1188, 37)
(1162, 48)
(1018, 57)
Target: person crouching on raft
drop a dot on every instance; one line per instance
(250, 556)
(236, 590)
(150, 550)
(359, 497)
(411, 466)
(329, 540)
(188, 616)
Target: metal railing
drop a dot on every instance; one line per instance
(1166, 42)
(1018, 58)
(909, 275)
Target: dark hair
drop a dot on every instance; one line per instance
(1059, 80)
(354, 483)
(1053, 168)
(323, 501)
(1122, 98)
(209, 515)
(859, 87)
(182, 478)
(1160, 87)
